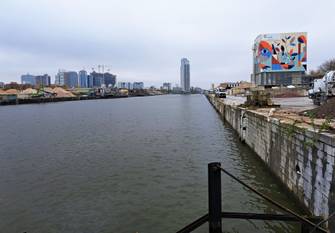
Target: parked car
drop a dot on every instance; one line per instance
(221, 94)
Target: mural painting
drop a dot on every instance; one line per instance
(281, 52)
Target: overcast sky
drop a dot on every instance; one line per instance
(145, 40)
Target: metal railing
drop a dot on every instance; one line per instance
(215, 214)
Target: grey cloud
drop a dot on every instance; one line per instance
(144, 40)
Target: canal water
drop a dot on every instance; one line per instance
(124, 165)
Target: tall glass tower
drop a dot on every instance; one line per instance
(185, 75)
(83, 79)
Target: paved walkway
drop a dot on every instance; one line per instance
(288, 112)
(296, 104)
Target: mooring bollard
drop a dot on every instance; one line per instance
(214, 198)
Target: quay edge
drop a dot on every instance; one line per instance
(306, 171)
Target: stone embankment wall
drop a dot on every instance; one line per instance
(301, 159)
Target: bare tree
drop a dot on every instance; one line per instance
(315, 72)
(324, 68)
(327, 66)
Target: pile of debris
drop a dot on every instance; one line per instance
(29, 91)
(326, 110)
(259, 98)
(59, 92)
(9, 92)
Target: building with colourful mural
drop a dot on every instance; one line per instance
(280, 59)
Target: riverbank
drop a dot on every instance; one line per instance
(23, 95)
(58, 99)
(62, 99)
(301, 156)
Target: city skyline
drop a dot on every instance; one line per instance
(40, 41)
(83, 79)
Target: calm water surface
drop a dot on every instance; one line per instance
(124, 165)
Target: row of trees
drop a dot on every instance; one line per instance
(324, 67)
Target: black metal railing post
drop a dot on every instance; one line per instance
(308, 225)
(305, 228)
(214, 198)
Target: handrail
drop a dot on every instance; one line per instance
(258, 216)
(194, 225)
(215, 214)
(303, 219)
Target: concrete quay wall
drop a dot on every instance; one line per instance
(306, 170)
